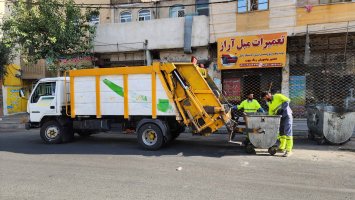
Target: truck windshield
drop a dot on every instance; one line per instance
(43, 89)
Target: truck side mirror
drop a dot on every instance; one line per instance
(21, 93)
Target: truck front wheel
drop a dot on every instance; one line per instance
(52, 132)
(150, 136)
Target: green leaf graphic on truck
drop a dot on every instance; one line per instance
(163, 104)
(117, 89)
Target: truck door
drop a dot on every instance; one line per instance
(43, 101)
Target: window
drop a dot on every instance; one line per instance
(202, 7)
(43, 89)
(144, 15)
(252, 5)
(126, 16)
(177, 11)
(94, 19)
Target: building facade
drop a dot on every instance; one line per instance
(320, 56)
(138, 32)
(320, 50)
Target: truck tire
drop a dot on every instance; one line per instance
(52, 132)
(150, 136)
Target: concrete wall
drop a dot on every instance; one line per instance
(222, 20)
(178, 55)
(281, 17)
(166, 55)
(127, 56)
(161, 34)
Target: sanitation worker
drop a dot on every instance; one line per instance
(279, 104)
(249, 105)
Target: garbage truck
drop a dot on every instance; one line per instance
(157, 102)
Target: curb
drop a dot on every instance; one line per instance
(12, 126)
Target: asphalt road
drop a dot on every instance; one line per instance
(112, 166)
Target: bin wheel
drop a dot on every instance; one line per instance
(311, 136)
(250, 149)
(321, 141)
(272, 150)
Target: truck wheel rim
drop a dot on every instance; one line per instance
(149, 137)
(52, 132)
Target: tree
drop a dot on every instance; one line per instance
(6, 56)
(49, 29)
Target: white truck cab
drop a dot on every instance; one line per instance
(47, 99)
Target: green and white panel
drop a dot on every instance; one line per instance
(112, 101)
(164, 106)
(139, 96)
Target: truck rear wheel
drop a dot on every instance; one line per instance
(150, 136)
(52, 132)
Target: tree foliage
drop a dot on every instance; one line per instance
(5, 57)
(49, 29)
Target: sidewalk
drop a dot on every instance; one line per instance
(15, 121)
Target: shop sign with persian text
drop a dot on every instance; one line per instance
(257, 51)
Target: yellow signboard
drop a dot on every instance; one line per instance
(257, 51)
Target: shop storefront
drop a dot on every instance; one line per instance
(251, 63)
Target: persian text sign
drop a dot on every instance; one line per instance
(268, 50)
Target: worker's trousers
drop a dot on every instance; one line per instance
(286, 137)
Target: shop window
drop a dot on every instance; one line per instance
(202, 7)
(144, 15)
(126, 16)
(177, 11)
(252, 5)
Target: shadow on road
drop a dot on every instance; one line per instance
(29, 142)
(118, 144)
